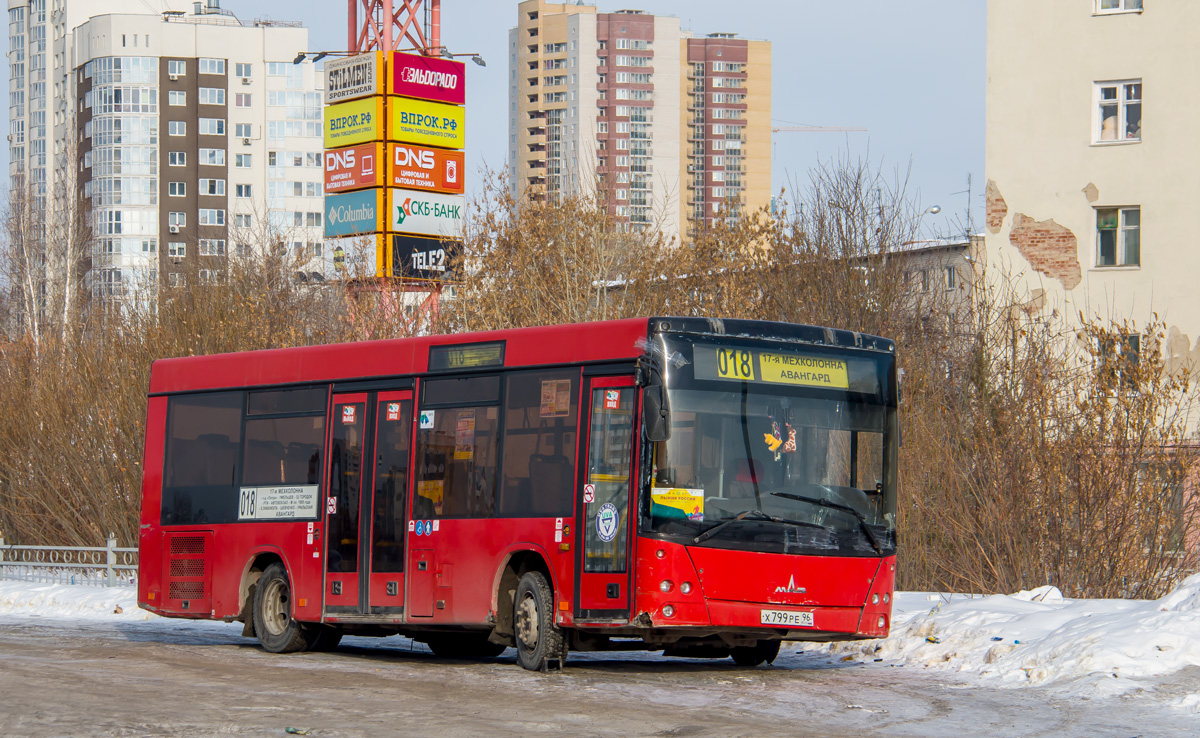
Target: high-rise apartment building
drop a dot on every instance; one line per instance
(1090, 183)
(628, 106)
(192, 136)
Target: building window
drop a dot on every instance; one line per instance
(1118, 237)
(212, 247)
(212, 217)
(212, 126)
(212, 96)
(212, 66)
(243, 130)
(1118, 111)
(1118, 6)
(179, 220)
(176, 128)
(214, 157)
(177, 158)
(176, 98)
(175, 279)
(212, 187)
(243, 70)
(176, 249)
(951, 277)
(243, 190)
(243, 220)
(242, 161)
(177, 189)
(242, 100)
(1120, 354)
(176, 67)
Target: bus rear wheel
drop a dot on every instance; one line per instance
(277, 630)
(760, 653)
(538, 639)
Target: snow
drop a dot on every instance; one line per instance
(1080, 648)
(1071, 648)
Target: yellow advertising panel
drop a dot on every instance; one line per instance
(424, 122)
(354, 122)
(809, 371)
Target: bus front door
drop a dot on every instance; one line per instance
(366, 506)
(605, 484)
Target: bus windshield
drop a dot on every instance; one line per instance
(754, 466)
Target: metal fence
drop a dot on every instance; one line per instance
(99, 566)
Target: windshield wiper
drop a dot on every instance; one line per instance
(862, 520)
(758, 515)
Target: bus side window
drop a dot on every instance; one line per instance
(541, 417)
(200, 470)
(457, 464)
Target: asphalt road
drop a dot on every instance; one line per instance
(173, 678)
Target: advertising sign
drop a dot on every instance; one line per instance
(354, 168)
(354, 122)
(423, 258)
(354, 255)
(422, 122)
(429, 78)
(425, 213)
(352, 213)
(354, 77)
(418, 168)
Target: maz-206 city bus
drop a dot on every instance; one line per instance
(708, 488)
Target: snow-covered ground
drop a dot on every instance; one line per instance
(1085, 648)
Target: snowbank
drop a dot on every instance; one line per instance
(1087, 648)
(71, 601)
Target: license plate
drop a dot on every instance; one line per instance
(786, 617)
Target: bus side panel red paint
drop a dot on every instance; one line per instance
(783, 579)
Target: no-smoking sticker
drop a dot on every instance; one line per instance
(589, 493)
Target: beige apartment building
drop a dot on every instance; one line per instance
(1091, 157)
(666, 127)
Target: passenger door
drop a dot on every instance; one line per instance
(366, 505)
(605, 487)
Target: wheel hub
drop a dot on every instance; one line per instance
(275, 607)
(527, 622)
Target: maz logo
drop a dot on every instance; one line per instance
(791, 587)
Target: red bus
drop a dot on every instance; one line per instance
(702, 487)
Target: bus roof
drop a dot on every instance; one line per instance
(583, 342)
(607, 341)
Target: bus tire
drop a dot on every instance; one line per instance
(464, 646)
(277, 630)
(536, 636)
(760, 653)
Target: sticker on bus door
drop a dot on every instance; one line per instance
(393, 411)
(612, 400)
(348, 414)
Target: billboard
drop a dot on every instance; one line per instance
(417, 257)
(423, 122)
(425, 213)
(354, 255)
(354, 168)
(354, 77)
(355, 122)
(352, 213)
(429, 78)
(419, 168)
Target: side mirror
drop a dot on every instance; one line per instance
(657, 409)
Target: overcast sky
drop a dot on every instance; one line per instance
(912, 73)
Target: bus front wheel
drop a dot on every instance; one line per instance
(277, 630)
(538, 639)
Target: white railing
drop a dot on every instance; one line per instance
(100, 566)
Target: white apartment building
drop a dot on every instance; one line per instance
(194, 135)
(1090, 184)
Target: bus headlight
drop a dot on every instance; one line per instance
(660, 553)
(882, 622)
(686, 588)
(886, 598)
(669, 610)
(875, 598)
(666, 585)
